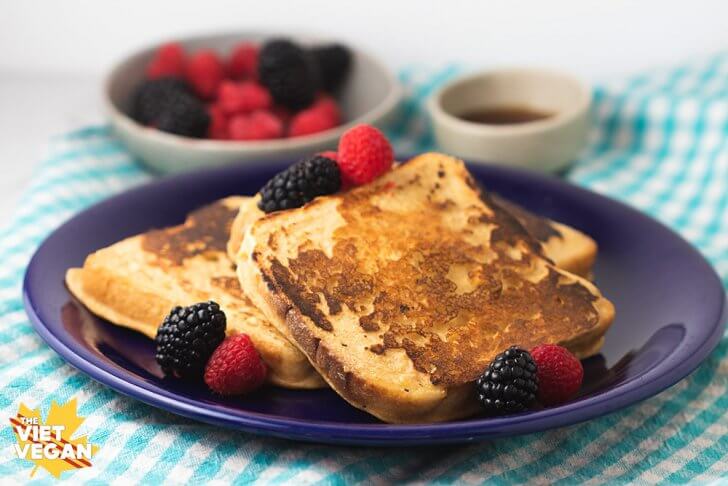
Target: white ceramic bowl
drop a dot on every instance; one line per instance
(370, 95)
(546, 145)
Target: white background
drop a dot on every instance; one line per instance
(53, 54)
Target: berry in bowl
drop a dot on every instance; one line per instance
(232, 98)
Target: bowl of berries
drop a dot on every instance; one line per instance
(232, 98)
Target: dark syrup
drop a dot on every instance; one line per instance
(504, 115)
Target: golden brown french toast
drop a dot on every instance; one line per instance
(567, 247)
(135, 282)
(401, 292)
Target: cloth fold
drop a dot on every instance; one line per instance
(659, 143)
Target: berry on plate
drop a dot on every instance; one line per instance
(288, 72)
(300, 183)
(259, 125)
(509, 384)
(187, 338)
(235, 367)
(205, 71)
(242, 97)
(560, 373)
(168, 61)
(364, 154)
(243, 62)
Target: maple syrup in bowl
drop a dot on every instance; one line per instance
(531, 118)
(504, 115)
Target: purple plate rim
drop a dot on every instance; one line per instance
(680, 363)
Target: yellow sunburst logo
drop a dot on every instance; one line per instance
(50, 443)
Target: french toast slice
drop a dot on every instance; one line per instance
(134, 283)
(567, 247)
(401, 292)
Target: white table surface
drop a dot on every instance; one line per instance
(36, 106)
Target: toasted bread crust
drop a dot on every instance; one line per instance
(135, 283)
(318, 287)
(573, 251)
(139, 318)
(391, 407)
(567, 247)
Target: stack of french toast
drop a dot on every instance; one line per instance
(396, 293)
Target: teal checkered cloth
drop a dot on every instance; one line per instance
(660, 143)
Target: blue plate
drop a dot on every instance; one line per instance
(670, 305)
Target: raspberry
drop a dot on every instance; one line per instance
(187, 338)
(326, 104)
(235, 367)
(259, 125)
(168, 61)
(322, 115)
(308, 122)
(243, 97)
(218, 129)
(184, 115)
(204, 71)
(243, 62)
(334, 62)
(300, 183)
(560, 373)
(289, 73)
(364, 154)
(510, 383)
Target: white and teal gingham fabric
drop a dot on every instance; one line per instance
(660, 143)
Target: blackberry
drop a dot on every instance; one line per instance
(187, 338)
(334, 62)
(289, 73)
(300, 183)
(184, 115)
(509, 385)
(152, 97)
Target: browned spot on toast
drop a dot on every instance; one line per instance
(450, 304)
(307, 303)
(445, 204)
(205, 230)
(377, 348)
(230, 285)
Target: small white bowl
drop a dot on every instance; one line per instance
(370, 95)
(546, 145)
